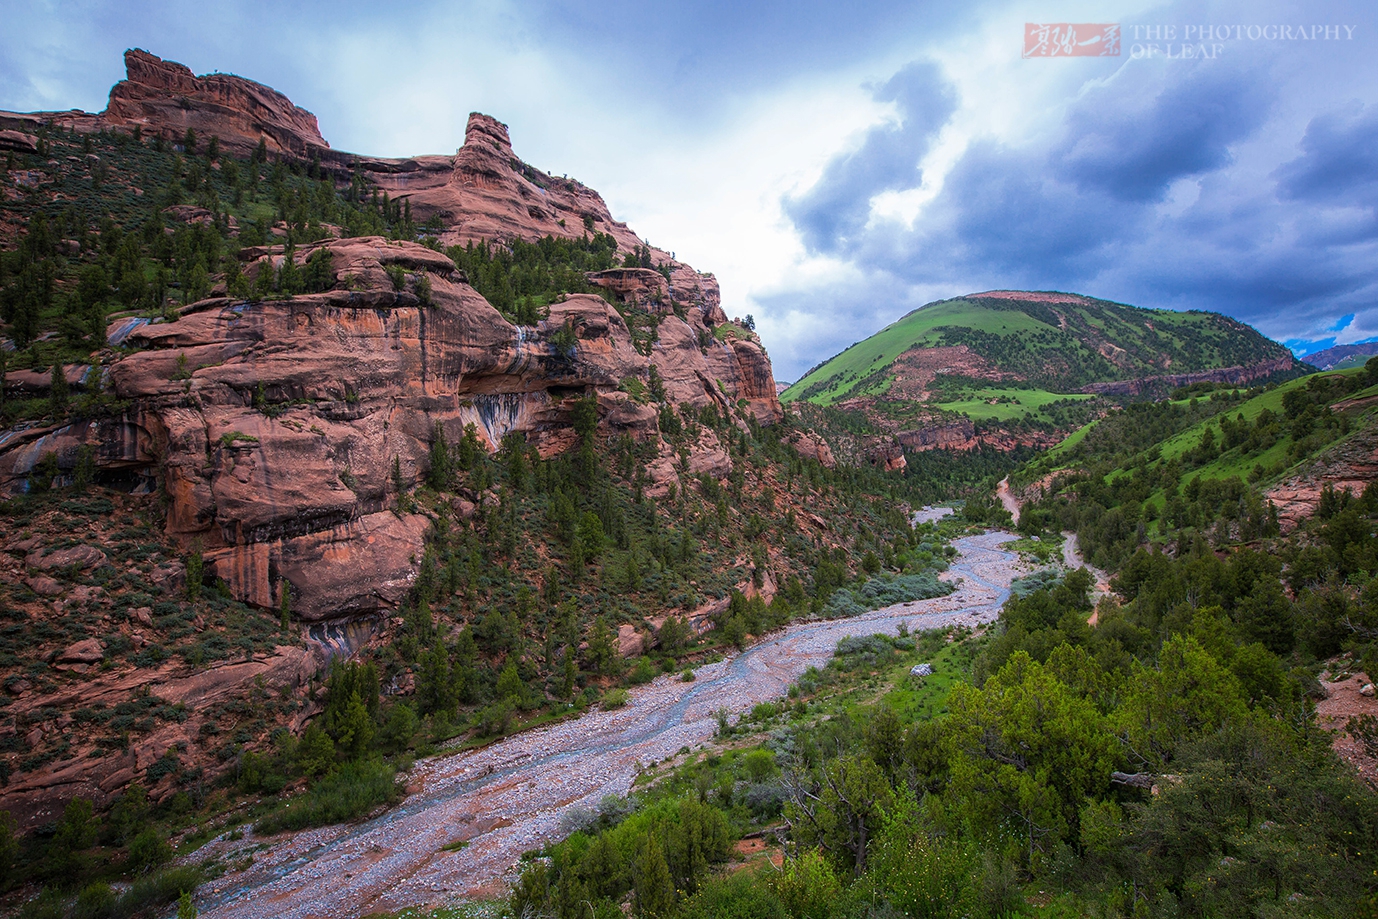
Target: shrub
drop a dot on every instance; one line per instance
(615, 698)
(643, 672)
(399, 728)
(350, 791)
(613, 809)
(156, 890)
(578, 819)
(885, 591)
(496, 718)
(148, 850)
(49, 904)
(1044, 579)
(807, 886)
(735, 897)
(96, 901)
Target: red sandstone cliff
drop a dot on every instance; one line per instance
(273, 425)
(164, 98)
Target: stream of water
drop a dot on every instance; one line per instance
(507, 798)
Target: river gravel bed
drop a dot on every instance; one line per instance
(507, 798)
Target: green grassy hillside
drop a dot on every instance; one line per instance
(1149, 472)
(1054, 347)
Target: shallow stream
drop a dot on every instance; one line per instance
(507, 798)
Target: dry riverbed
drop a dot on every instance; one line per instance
(507, 798)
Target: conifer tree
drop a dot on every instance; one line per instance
(442, 468)
(569, 674)
(263, 281)
(653, 893)
(58, 390)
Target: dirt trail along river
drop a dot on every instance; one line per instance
(507, 798)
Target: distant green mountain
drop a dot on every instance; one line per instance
(1002, 355)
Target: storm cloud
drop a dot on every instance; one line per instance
(1190, 186)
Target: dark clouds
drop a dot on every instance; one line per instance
(1338, 171)
(1131, 139)
(831, 213)
(1170, 186)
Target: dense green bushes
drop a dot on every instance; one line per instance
(345, 793)
(660, 856)
(885, 591)
(1129, 482)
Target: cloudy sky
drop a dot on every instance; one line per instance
(838, 164)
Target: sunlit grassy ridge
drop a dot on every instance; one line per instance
(921, 328)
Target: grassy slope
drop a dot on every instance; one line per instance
(1352, 362)
(1070, 441)
(1231, 463)
(915, 330)
(1027, 402)
(1192, 341)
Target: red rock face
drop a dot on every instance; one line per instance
(888, 455)
(812, 446)
(1350, 465)
(165, 98)
(484, 192)
(273, 426)
(1238, 376)
(38, 796)
(956, 435)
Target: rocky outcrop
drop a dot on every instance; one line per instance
(642, 286)
(38, 795)
(1351, 465)
(954, 435)
(164, 98)
(887, 455)
(273, 426)
(1235, 376)
(484, 192)
(18, 142)
(811, 446)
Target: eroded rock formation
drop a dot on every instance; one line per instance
(273, 426)
(1237, 376)
(270, 427)
(164, 98)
